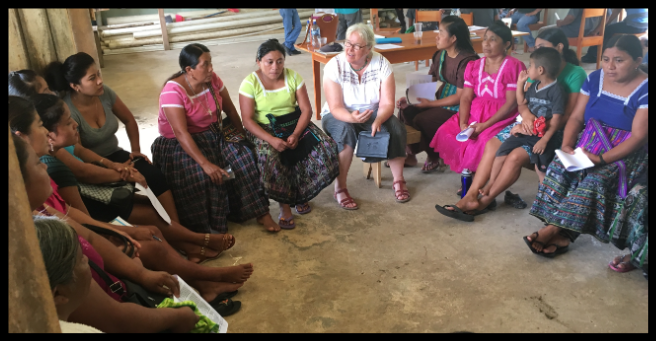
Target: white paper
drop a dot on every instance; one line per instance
(465, 134)
(417, 77)
(153, 200)
(437, 31)
(187, 293)
(422, 90)
(120, 222)
(575, 162)
(518, 33)
(387, 46)
(379, 36)
(474, 28)
(557, 16)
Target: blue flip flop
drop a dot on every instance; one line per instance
(306, 211)
(285, 223)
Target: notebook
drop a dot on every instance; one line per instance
(576, 162)
(373, 146)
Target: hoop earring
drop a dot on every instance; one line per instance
(52, 149)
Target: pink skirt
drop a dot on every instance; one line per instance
(461, 155)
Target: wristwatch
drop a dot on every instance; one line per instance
(602, 159)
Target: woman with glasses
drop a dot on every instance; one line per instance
(359, 86)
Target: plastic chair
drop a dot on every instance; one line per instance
(468, 18)
(582, 40)
(424, 16)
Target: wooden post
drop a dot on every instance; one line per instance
(38, 40)
(31, 307)
(165, 33)
(18, 59)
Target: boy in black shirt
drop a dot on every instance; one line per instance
(544, 98)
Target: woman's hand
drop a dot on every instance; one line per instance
(135, 176)
(510, 13)
(279, 144)
(375, 127)
(134, 155)
(567, 149)
(122, 168)
(361, 117)
(527, 125)
(292, 141)
(402, 103)
(517, 129)
(186, 320)
(423, 102)
(215, 173)
(478, 128)
(161, 282)
(594, 158)
(142, 233)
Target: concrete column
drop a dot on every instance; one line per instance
(38, 41)
(18, 59)
(31, 307)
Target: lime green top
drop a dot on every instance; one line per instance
(277, 102)
(571, 78)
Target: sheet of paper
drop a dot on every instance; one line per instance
(417, 77)
(557, 16)
(379, 36)
(119, 221)
(519, 33)
(423, 90)
(575, 162)
(153, 200)
(474, 28)
(187, 293)
(387, 46)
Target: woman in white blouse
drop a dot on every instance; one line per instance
(359, 87)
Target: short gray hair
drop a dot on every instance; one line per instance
(59, 244)
(364, 31)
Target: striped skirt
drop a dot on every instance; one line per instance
(305, 180)
(202, 205)
(630, 227)
(586, 201)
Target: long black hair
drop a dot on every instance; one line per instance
(50, 108)
(59, 76)
(269, 46)
(500, 29)
(455, 26)
(22, 83)
(627, 43)
(189, 57)
(21, 114)
(22, 153)
(556, 36)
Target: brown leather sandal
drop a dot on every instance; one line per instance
(345, 201)
(397, 193)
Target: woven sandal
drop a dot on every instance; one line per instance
(345, 201)
(397, 193)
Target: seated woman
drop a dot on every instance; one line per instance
(570, 78)
(613, 107)
(27, 83)
(295, 158)
(103, 308)
(67, 268)
(488, 102)
(96, 108)
(359, 86)
(193, 150)
(137, 209)
(455, 51)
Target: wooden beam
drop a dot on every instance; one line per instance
(31, 306)
(18, 59)
(165, 33)
(80, 22)
(38, 40)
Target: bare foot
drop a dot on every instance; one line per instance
(554, 242)
(486, 189)
(235, 274)
(545, 235)
(623, 263)
(210, 290)
(466, 204)
(221, 242)
(268, 223)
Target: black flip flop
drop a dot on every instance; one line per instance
(457, 213)
(227, 307)
(223, 297)
(559, 251)
(529, 243)
(514, 200)
(491, 207)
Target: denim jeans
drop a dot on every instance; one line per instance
(292, 25)
(522, 22)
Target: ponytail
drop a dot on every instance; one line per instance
(54, 76)
(59, 76)
(556, 36)
(570, 56)
(22, 83)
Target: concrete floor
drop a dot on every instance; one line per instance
(391, 267)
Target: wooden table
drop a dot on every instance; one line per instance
(410, 52)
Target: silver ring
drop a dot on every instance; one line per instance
(165, 287)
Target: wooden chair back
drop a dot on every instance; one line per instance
(582, 40)
(424, 16)
(468, 18)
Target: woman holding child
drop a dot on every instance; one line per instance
(488, 102)
(296, 159)
(455, 51)
(570, 77)
(610, 124)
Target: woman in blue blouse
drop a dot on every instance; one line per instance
(611, 113)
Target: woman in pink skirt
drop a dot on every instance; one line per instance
(488, 99)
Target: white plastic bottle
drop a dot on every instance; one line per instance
(316, 35)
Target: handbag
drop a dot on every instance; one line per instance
(128, 247)
(373, 146)
(598, 139)
(115, 193)
(285, 125)
(230, 132)
(132, 292)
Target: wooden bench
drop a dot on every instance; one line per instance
(414, 136)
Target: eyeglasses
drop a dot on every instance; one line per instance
(355, 47)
